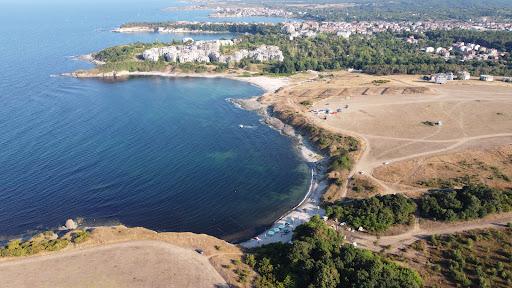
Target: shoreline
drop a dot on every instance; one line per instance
(310, 203)
(135, 30)
(316, 162)
(267, 84)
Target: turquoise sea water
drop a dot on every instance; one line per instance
(166, 154)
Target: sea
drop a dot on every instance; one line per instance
(168, 154)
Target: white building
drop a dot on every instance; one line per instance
(463, 75)
(440, 78)
(488, 78)
(209, 51)
(430, 49)
(344, 34)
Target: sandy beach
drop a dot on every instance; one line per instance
(269, 84)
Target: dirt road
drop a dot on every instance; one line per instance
(419, 231)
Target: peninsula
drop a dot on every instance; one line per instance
(406, 126)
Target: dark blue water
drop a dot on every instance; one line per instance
(166, 154)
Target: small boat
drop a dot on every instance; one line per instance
(241, 126)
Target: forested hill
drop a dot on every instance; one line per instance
(397, 10)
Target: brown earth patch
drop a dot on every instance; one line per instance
(491, 166)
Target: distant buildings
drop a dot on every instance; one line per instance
(249, 12)
(466, 51)
(345, 29)
(443, 78)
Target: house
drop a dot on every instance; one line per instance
(463, 75)
(440, 78)
(487, 78)
(430, 49)
(152, 54)
(450, 76)
(507, 79)
(411, 40)
(344, 34)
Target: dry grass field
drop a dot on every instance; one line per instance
(132, 257)
(476, 258)
(397, 118)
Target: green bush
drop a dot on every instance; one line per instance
(470, 202)
(79, 236)
(341, 162)
(41, 243)
(250, 260)
(317, 257)
(376, 213)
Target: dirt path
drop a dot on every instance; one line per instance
(420, 231)
(127, 264)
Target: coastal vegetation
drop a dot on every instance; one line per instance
(477, 258)
(134, 66)
(123, 52)
(381, 53)
(46, 241)
(126, 57)
(379, 213)
(341, 150)
(469, 202)
(251, 28)
(375, 214)
(318, 257)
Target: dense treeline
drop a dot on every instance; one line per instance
(501, 40)
(470, 202)
(376, 213)
(209, 27)
(124, 52)
(409, 10)
(383, 53)
(317, 257)
(379, 213)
